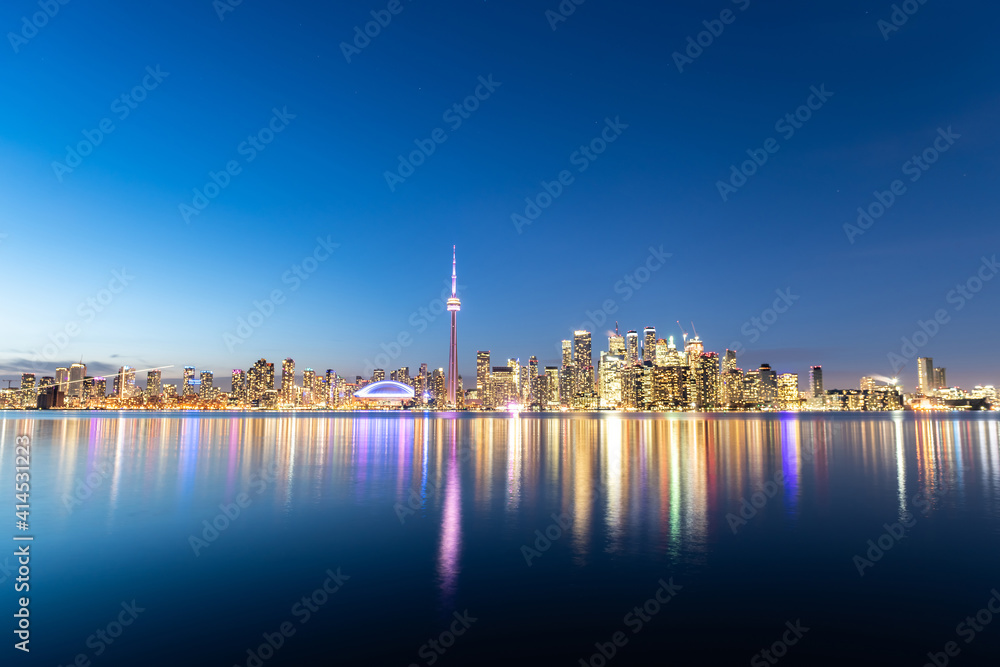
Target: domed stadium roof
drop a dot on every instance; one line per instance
(387, 390)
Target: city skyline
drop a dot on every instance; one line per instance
(604, 117)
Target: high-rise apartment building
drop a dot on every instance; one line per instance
(631, 347)
(940, 378)
(77, 372)
(925, 375)
(187, 388)
(154, 380)
(816, 382)
(482, 372)
(649, 344)
(288, 381)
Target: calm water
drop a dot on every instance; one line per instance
(543, 533)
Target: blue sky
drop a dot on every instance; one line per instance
(343, 124)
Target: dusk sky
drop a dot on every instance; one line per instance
(210, 84)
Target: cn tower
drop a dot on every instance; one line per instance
(454, 305)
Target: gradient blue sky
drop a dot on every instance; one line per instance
(323, 176)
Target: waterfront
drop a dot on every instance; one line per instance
(542, 532)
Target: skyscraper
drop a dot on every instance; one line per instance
(816, 381)
(925, 375)
(188, 390)
(288, 381)
(940, 378)
(454, 305)
(153, 381)
(77, 372)
(239, 393)
(482, 372)
(583, 360)
(62, 380)
(631, 347)
(649, 344)
(207, 391)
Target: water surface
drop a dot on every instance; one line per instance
(543, 533)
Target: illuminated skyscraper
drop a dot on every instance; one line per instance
(439, 388)
(125, 383)
(708, 381)
(153, 381)
(533, 396)
(482, 372)
(940, 378)
(552, 399)
(309, 385)
(288, 381)
(567, 376)
(77, 372)
(62, 380)
(239, 393)
(631, 347)
(788, 391)
(616, 345)
(207, 391)
(454, 305)
(649, 344)
(515, 367)
(867, 383)
(767, 385)
(660, 358)
(583, 360)
(29, 394)
(816, 382)
(100, 389)
(925, 375)
(378, 375)
(187, 390)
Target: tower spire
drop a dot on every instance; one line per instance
(454, 305)
(453, 279)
